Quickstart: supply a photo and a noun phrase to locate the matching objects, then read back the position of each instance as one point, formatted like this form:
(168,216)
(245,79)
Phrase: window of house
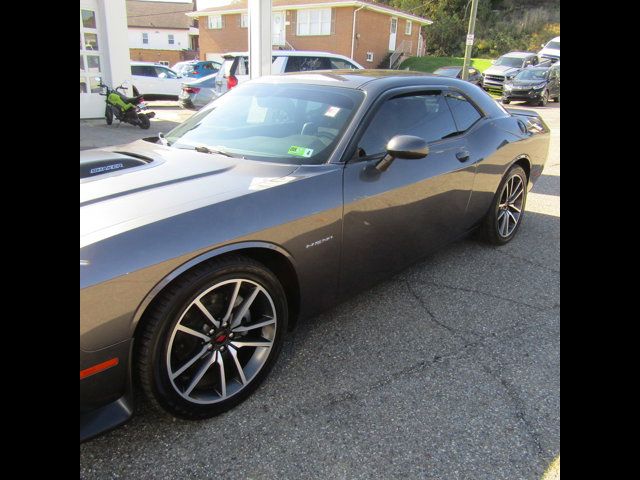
(244,20)
(171,39)
(314,21)
(369,56)
(145,38)
(407,27)
(215,22)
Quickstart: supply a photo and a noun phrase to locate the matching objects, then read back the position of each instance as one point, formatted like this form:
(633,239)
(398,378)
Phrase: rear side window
(426,116)
(143,70)
(464,113)
(166,71)
(240,66)
(339,64)
(305,64)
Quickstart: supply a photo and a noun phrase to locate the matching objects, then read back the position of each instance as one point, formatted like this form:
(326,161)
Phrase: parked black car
(534,85)
(475,76)
(200,249)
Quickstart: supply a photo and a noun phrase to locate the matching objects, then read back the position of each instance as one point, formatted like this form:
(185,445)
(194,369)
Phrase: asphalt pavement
(449,370)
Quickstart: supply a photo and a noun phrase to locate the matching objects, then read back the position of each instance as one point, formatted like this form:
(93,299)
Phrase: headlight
(538,87)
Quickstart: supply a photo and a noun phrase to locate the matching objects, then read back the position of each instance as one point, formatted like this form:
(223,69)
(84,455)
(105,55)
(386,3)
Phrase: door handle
(463,156)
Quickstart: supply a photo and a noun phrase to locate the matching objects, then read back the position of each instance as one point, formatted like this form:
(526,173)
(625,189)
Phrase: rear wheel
(504,217)
(145,123)
(108,115)
(211,338)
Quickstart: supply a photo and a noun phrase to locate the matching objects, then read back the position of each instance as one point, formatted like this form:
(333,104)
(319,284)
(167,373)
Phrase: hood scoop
(101,163)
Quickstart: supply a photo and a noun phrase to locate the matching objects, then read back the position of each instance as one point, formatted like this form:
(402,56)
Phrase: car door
(167,81)
(143,78)
(394,217)
(554,83)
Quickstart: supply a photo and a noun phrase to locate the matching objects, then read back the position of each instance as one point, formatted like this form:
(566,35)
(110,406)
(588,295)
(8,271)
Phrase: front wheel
(503,219)
(145,123)
(544,99)
(108,115)
(211,337)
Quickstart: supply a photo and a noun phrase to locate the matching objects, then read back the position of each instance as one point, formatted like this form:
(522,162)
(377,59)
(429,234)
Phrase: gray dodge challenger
(201,248)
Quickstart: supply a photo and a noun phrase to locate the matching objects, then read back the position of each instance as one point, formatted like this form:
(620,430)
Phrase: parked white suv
(155,81)
(235,68)
(551,50)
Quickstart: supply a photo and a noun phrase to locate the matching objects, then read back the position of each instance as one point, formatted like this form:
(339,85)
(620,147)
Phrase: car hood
(500,70)
(173,181)
(552,52)
(525,83)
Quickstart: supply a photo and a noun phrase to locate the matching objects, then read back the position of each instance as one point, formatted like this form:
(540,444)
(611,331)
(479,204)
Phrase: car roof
(289,53)
(518,54)
(374,82)
(150,63)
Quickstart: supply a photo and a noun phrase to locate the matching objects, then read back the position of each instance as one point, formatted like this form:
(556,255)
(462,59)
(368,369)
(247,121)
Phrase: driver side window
(424,115)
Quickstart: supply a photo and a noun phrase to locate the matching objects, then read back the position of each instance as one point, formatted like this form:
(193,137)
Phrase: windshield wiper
(203,149)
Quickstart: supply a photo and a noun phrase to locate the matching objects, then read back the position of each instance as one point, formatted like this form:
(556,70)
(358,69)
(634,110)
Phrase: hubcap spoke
(193,332)
(207,314)
(232,302)
(246,328)
(237,318)
(190,362)
(223,378)
(251,344)
(234,354)
(201,373)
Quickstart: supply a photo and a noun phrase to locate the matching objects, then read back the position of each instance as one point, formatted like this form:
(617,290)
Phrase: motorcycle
(126,109)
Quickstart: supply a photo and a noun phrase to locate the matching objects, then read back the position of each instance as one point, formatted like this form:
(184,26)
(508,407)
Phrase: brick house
(161,32)
(372,34)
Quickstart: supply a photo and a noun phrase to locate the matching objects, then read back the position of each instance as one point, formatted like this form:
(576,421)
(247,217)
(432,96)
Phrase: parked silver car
(197,93)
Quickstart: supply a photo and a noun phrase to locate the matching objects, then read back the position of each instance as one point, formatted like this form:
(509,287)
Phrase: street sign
(469,40)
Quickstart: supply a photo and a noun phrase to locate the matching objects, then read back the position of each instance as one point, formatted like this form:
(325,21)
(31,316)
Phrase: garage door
(91,60)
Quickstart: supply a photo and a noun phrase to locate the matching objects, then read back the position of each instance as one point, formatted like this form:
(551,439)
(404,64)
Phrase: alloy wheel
(510,206)
(221,341)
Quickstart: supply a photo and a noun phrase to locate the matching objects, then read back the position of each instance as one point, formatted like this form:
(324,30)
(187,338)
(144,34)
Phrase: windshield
(532,74)
(447,72)
(509,61)
(554,45)
(289,123)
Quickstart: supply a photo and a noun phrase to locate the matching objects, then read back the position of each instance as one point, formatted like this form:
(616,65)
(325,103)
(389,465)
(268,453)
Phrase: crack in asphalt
(519,407)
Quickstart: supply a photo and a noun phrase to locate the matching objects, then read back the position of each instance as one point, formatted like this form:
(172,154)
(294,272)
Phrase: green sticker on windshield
(300,151)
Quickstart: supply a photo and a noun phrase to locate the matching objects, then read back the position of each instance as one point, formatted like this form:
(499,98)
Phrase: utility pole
(469,43)
(260,41)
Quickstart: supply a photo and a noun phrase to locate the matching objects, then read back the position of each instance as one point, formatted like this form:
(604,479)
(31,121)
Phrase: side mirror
(162,75)
(407,147)
(98,79)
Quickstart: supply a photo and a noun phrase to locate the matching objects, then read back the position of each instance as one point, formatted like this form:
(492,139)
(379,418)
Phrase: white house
(103,51)
(160,31)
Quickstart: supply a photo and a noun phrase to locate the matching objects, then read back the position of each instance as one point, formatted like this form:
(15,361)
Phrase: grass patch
(430,64)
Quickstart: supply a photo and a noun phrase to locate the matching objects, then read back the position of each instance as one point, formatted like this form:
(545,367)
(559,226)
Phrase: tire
(544,99)
(145,123)
(493,225)
(108,115)
(557,99)
(166,350)
(505,101)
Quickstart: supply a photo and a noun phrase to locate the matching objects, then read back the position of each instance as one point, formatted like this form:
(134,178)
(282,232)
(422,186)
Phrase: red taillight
(191,89)
(232,81)
(195,72)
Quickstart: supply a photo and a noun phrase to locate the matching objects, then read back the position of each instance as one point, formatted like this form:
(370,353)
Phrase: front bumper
(524,95)
(106,397)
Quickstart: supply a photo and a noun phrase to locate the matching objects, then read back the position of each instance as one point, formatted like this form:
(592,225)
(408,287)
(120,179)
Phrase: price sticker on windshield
(300,151)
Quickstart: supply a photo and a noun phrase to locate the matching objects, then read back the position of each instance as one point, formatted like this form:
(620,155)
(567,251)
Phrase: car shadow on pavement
(448,369)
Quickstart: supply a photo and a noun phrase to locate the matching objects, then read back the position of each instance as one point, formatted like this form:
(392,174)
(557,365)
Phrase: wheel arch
(272,256)
(525,162)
